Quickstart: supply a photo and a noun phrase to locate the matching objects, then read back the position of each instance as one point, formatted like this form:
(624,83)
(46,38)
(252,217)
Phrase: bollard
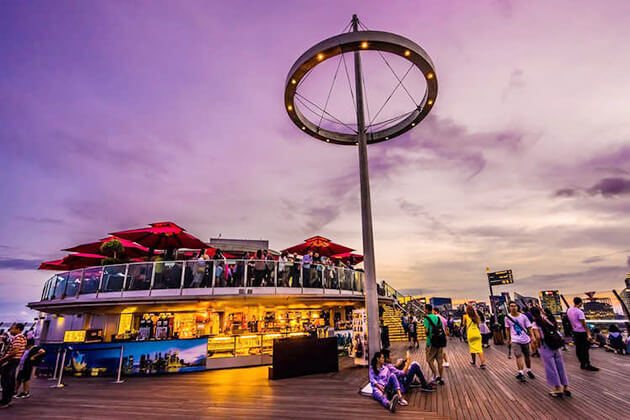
(118,381)
(63,362)
(54,378)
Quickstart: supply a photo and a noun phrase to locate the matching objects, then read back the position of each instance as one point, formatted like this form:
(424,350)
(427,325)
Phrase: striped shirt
(19,344)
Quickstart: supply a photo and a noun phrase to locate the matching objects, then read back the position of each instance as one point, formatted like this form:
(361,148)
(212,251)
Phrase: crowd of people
(528,330)
(18,357)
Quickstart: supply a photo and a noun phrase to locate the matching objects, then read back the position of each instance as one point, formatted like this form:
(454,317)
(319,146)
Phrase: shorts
(520,349)
(25,374)
(435,353)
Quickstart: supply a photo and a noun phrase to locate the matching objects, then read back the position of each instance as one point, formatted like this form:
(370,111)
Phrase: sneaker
(439,381)
(26,395)
(472,363)
(521,377)
(531,374)
(392,403)
(4,406)
(445,364)
(427,389)
(591,368)
(20,395)
(403,402)
(483,366)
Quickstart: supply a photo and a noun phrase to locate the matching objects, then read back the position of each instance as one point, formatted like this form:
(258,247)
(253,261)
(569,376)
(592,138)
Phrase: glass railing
(141,278)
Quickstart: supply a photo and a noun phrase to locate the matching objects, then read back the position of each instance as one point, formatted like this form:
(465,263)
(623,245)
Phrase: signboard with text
(500,277)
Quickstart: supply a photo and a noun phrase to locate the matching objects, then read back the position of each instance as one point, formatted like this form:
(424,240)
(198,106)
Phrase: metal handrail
(200,274)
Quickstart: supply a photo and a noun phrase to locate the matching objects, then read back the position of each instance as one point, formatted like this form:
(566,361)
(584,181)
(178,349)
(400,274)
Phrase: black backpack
(552,338)
(438,337)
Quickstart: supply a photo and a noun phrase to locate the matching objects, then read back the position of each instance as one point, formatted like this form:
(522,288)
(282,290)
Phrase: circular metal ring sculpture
(361,41)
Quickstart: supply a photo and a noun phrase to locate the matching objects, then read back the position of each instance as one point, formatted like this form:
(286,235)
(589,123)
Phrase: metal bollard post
(54,378)
(63,362)
(118,381)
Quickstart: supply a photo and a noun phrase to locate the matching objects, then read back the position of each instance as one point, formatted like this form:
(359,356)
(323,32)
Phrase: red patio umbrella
(56,265)
(349,258)
(164,235)
(319,244)
(73,262)
(132,250)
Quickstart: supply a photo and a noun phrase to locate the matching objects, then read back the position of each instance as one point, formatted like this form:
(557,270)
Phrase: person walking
(471,320)
(10,362)
(436,341)
(581,334)
(519,330)
(550,342)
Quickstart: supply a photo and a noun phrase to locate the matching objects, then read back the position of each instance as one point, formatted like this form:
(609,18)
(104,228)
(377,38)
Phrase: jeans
(554,366)
(406,379)
(391,387)
(8,380)
(581,348)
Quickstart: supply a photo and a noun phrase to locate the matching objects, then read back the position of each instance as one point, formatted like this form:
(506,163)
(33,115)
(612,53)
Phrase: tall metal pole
(371,296)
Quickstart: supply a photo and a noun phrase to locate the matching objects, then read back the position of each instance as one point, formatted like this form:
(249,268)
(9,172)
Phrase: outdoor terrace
(469,393)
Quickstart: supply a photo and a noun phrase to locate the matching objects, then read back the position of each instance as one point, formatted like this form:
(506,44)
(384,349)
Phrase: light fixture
(320,57)
(293,81)
(290,107)
(413,124)
(407,53)
(386,138)
(430,76)
(327,140)
(430,101)
(364,44)
(303,128)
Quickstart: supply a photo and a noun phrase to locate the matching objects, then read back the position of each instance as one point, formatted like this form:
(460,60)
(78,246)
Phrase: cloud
(40,220)
(18,264)
(611,187)
(566,192)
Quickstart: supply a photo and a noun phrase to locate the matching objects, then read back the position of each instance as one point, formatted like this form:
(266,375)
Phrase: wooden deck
(469,393)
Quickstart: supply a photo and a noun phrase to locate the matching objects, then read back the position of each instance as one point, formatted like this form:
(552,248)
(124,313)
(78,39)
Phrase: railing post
(100,281)
(214,272)
(63,362)
(302,276)
(54,378)
(181,283)
(245,274)
(120,361)
(124,285)
(152,278)
(80,283)
(275,281)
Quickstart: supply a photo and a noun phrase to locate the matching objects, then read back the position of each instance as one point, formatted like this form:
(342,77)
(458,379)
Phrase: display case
(221,347)
(248,345)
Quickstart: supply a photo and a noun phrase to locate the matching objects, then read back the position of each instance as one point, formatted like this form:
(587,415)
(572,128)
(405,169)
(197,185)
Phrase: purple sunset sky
(116,114)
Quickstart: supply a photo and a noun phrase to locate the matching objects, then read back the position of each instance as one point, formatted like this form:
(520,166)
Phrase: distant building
(441,303)
(599,308)
(625,294)
(551,299)
(238,246)
(523,301)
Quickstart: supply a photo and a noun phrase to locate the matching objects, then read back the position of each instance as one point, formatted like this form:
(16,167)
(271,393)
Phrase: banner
(139,357)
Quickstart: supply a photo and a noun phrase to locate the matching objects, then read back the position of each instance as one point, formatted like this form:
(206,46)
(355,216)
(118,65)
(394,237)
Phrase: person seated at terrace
(615,342)
(385,386)
(600,340)
(408,373)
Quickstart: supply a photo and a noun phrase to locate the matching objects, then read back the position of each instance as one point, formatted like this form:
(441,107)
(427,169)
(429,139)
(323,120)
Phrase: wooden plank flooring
(469,393)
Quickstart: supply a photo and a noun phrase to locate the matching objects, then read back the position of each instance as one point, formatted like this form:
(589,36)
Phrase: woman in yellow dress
(471,321)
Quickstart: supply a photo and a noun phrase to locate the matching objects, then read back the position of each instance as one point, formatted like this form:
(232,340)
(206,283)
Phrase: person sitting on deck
(385,386)
(406,372)
(615,342)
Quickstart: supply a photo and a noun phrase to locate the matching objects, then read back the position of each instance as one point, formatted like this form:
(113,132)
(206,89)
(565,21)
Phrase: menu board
(359,350)
(74,336)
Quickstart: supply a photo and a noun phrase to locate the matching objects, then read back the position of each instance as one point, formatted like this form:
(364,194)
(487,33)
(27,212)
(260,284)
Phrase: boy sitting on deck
(406,372)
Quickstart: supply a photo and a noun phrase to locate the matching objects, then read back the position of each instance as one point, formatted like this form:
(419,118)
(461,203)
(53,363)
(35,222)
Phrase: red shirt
(18,343)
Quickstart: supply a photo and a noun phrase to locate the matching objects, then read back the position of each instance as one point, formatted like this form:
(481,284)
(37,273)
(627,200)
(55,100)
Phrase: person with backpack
(471,320)
(550,342)
(518,330)
(436,341)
